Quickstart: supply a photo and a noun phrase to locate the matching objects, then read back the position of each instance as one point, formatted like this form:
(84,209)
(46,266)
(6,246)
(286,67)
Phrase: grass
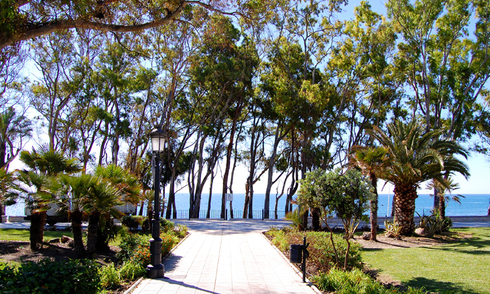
(461,266)
(23,235)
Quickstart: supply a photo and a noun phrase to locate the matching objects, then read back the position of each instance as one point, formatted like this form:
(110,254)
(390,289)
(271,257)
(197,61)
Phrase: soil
(18,251)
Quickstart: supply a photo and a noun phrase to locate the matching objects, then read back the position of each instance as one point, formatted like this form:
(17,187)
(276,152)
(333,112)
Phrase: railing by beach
(237,214)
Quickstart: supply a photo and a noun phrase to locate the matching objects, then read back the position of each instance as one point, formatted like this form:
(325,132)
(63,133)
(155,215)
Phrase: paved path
(226,257)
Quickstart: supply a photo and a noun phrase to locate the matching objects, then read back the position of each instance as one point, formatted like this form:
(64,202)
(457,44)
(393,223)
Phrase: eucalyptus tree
(51,93)
(306,33)
(115,73)
(444,53)
(8,190)
(361,71)
(415,156)
(26,19)
(223,73)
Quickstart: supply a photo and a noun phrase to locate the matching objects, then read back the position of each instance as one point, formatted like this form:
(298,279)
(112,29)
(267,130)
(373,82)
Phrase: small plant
(295,218)
(392,230)
(109,277)
(131,270)
(433,224)
(180,231)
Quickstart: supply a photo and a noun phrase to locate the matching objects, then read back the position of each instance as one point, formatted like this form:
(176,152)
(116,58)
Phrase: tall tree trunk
(76,228)
(38,221)
(373,214)
(93,224)
(208,214)
(404,204)
(315,219)
(442,206)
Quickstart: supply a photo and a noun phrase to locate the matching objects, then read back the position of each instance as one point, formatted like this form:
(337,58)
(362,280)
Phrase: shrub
(322,251)
(348,282)
(354,282)
(168,242)
(297,220)
(141,254)
(392,230)
(129,243)
(180,231)
(46,276)
(279,238)
(109,277)
(434,225)
(131,271)
(166,225)
(131,222)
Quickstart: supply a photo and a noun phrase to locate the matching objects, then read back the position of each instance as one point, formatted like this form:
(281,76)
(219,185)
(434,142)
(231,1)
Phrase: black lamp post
(155,268)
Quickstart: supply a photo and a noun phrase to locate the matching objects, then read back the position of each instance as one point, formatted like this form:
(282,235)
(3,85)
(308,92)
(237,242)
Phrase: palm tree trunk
(404,205)
(93,224)
(38,221)
(76,228)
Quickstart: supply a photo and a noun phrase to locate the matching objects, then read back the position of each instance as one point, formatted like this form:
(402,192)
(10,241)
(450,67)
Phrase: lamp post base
(154,271)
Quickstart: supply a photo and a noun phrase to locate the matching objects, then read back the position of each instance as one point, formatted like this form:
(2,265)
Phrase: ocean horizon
(471,204)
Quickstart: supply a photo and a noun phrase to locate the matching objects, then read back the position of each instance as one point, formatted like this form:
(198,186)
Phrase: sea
(471,205)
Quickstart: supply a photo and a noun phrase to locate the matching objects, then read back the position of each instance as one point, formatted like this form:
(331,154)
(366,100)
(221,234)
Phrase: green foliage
(323,252)
(129,243)
(392,230)
(180,231)
(131,221)
(279,239)
(345,194)
(320,248)
(109,277)
(353,282)
(46,276)
(169,240)
(166,225)
(433,224)
(295,218)
(131,271)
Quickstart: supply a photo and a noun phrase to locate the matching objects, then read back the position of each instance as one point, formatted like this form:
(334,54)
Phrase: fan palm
(44,167)
(415,157)
(77,188)
(101,199)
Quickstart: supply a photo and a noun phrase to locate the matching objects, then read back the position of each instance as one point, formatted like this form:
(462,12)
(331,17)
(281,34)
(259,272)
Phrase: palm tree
(44,166)
(101,199)
(13,129)
(444,187)
(415,157)
(372,161)
(77,188)
(129,189)
(8,190)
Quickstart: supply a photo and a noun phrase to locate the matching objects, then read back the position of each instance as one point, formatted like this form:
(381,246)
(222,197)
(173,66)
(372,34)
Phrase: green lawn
(457,267)
(23,235)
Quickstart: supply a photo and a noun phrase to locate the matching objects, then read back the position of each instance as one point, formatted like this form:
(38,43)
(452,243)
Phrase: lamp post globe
(155,268)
